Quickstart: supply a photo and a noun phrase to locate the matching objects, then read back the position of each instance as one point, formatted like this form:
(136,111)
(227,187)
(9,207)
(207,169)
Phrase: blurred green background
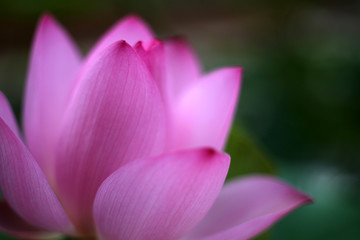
(299,111)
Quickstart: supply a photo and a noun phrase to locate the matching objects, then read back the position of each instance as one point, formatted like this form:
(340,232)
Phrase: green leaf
(246,156)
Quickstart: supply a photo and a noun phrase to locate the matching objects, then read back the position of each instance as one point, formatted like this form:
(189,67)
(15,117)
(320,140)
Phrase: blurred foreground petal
(246,207)
(25,187)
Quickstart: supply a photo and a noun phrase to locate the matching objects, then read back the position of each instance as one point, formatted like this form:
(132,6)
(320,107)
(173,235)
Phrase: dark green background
(298,115)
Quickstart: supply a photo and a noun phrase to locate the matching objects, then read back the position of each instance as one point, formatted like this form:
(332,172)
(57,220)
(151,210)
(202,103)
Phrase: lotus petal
(159,198)
(53,66)
(205,111)
(25,187)
(246,207)
(182,67)
(115,117)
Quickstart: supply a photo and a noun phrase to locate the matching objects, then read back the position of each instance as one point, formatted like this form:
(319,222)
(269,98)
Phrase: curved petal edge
(210,103)
(54,62)
(7,115)
(116,116)
(182,67)
(246,207)
(25,188)
(161,197)
(131,29)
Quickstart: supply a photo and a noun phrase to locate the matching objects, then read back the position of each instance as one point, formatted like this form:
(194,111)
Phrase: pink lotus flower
(125,144)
